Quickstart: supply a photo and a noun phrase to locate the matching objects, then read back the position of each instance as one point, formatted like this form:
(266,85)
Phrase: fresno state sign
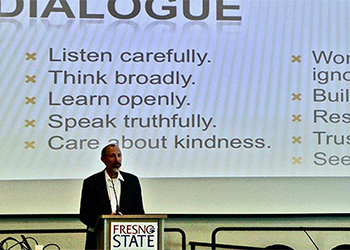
(134,235)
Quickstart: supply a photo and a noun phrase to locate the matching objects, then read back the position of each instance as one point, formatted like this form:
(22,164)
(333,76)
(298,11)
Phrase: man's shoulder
(95,177)
(128,176)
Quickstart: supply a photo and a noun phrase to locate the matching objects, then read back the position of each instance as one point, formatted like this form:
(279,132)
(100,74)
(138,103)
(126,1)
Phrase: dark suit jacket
(95,202)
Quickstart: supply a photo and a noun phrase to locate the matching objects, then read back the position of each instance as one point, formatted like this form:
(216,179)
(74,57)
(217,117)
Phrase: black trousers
(91,241)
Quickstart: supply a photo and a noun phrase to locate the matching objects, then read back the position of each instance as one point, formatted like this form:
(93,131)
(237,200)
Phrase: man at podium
(110,191)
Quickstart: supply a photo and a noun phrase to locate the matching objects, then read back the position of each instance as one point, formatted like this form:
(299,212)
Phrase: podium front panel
(142,232)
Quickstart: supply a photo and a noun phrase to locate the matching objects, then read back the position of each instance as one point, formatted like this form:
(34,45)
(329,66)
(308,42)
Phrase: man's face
(113,159)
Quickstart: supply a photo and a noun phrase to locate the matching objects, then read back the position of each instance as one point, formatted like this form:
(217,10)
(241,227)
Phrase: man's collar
(119,176)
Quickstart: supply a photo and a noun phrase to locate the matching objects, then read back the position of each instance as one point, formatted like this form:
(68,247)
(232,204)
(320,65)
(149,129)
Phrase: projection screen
(247,97)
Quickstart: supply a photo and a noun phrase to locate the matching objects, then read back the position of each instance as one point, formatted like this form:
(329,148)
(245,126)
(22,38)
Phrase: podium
(130,232)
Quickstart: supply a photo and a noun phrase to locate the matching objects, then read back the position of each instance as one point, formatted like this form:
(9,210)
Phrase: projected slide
(190,88)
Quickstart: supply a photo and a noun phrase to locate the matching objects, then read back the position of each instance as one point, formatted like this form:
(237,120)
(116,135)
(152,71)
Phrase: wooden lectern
(121,232)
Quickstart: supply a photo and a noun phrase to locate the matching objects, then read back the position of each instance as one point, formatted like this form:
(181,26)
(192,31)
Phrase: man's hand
(119,213)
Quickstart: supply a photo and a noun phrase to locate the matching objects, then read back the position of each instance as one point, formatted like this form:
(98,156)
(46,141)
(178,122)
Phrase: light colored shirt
(114,188)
